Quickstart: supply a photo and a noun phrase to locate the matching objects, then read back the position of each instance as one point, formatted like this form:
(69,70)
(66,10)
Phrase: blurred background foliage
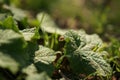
(94,16)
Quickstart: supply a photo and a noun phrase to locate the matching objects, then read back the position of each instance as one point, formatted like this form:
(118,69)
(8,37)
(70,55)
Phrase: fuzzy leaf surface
(28,33)
(45,55)
(79,48)
(43,59)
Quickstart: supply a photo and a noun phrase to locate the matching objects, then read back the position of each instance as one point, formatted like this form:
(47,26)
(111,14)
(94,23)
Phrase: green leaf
(79,39)
(41,76)
(48,68)
(2,16)
(49,25)
(40,59)
(32,73)
(18,14)
(43,59)
(9,23)
(9,63)
(36,35)
(28,33)
(90,62)
(30,50)
(83,53)
(30,69)
(45,55)
(31,34)
(12,50)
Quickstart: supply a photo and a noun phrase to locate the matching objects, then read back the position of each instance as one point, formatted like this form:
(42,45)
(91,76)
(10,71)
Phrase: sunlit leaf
(49,25)
(83,58)
(32,73)
(40,76)
(28,33)
(45,55)
(12,50)
(44,58)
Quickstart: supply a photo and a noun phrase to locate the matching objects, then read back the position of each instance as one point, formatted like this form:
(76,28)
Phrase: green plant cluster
(35,48)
